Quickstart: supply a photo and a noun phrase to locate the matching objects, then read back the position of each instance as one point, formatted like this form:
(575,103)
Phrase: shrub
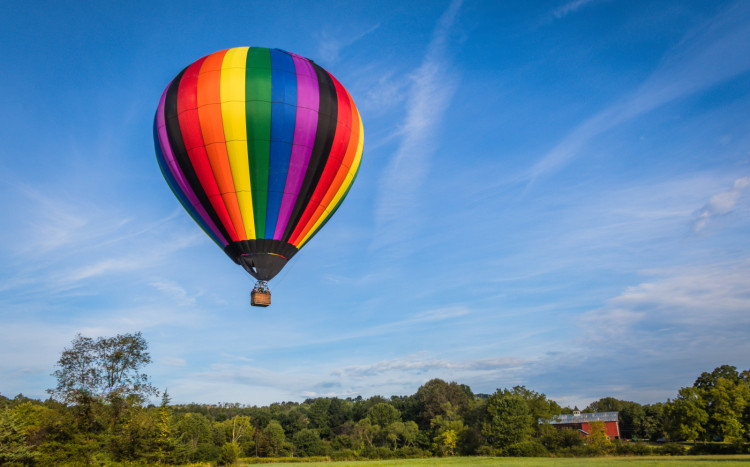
(487,451)
(632,449)
(670,449)
(372,452)
(230,452)
(344,455)
(718,448)
(587,450)
(410,452)
(526,449)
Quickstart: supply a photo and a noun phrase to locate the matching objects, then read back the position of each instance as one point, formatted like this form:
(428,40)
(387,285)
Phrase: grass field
(681,461)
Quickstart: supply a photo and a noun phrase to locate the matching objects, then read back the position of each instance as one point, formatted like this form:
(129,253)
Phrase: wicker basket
(260,298)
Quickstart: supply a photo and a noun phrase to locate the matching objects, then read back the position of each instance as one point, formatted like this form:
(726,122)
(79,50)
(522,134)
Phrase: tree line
(99,413)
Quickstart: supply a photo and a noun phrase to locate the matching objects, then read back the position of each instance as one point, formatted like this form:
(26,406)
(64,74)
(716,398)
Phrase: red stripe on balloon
(335,159)
(187,110)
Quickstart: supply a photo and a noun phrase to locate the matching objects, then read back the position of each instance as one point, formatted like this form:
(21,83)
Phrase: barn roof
(583,417)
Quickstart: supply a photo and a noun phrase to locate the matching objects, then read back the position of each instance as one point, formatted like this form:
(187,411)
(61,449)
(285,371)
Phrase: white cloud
(173,361)
(432,87)
(175,291)
(720,203)
(693,299)
(329,47)
(570,7)
(418,364)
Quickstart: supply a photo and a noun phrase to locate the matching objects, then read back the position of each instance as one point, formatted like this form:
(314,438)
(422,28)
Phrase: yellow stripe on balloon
(344,186)
(235,131)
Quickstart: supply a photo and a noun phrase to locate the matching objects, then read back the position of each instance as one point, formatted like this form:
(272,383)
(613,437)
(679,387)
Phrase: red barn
(582,422)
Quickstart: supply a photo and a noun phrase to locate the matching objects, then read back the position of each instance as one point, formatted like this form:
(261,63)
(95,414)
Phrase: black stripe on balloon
(180,153)
(327,115)
(260,246)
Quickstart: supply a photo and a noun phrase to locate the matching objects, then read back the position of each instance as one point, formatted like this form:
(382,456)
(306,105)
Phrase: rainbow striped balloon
(260,146)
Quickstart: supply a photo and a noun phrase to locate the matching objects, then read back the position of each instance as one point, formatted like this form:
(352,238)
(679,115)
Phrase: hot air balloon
(260,146)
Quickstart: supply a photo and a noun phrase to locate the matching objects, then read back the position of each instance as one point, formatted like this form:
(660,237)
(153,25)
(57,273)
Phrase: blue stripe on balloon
(283,118)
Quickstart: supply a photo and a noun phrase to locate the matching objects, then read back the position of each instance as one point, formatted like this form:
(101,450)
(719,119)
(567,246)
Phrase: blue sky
(554,194)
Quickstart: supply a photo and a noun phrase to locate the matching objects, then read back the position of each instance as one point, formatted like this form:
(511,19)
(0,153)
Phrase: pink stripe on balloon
(306,125)
(174,168)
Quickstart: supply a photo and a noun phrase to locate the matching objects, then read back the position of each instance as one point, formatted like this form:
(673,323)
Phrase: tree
(383,414)
(162,424)
(598,437)
(447,442)
(716,406)
(726,403)
(230,452)
(687,415)
(433,395)
(508,420)
(708,380)
(365,432)
(272,439)
(107,366)
(13,449)
(632,415)
(539,406)
(307,442)
(193,429)
(240,428)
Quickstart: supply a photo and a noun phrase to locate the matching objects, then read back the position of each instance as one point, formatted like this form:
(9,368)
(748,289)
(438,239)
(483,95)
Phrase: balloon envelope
(260,146)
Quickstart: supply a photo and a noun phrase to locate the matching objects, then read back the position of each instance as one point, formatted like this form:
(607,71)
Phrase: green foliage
(622,448)
(447,430)
(434,394)
(96,420)
(687,415)
(539,406)
(383,414)
(530,448)
(598,438)
(230,452)
(307,443)
(670,449)
(446,442)
(272,441)
(508,420)
(559,439)
(319,416)
(727,401)
(13,449)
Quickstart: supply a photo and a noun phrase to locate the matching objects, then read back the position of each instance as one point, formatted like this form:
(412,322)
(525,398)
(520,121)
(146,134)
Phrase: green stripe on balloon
(258,118)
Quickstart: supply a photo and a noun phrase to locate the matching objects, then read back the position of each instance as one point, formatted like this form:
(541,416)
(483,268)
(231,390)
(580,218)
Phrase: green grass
(686,461)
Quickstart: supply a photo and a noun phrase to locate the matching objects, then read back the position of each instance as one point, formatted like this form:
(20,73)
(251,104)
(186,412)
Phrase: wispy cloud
(570,7)
(707,296)
(66,241)
(173,361)
(418,364)
(432,87)
(715,52)
(329,47)
(175,291)
(720,204)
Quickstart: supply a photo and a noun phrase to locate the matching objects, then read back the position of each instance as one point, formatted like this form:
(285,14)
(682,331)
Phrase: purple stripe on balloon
(306,125)
(177,173)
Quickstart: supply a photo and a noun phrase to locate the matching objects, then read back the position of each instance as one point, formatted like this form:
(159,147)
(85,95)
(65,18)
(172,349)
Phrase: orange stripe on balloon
(212,130)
